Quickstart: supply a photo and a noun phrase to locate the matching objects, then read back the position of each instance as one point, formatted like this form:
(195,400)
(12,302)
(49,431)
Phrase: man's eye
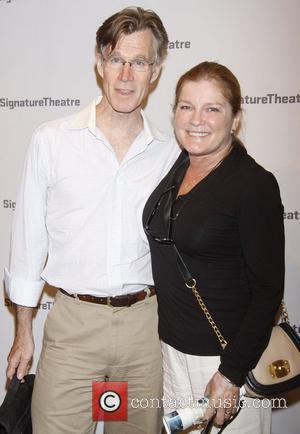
(139,63)
(116,60)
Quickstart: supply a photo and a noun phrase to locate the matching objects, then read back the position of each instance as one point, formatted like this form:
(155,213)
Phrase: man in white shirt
(78,226)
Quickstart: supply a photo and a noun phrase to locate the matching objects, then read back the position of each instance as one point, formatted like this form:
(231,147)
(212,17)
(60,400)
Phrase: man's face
(124,87)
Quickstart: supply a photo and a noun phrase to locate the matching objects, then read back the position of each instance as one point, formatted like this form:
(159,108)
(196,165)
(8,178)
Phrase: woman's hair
(227,82)
(128,21)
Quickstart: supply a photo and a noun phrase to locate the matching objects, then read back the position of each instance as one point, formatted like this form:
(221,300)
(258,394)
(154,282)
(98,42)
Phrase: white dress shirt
(78,219)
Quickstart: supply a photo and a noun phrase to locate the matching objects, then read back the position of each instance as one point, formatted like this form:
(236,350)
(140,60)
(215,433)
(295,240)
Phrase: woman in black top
(224,213)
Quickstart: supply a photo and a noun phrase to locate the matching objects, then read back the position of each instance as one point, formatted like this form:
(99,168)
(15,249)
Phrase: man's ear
(99,64)
(155,72)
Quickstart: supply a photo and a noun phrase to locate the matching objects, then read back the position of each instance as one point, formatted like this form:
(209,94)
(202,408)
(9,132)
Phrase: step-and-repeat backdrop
(47,71)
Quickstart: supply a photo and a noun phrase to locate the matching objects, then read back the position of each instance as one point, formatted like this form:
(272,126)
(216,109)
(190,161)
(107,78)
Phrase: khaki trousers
(185,379)
(85,342)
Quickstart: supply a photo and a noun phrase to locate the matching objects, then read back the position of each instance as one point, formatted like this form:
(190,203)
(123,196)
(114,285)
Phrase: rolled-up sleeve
(29,240)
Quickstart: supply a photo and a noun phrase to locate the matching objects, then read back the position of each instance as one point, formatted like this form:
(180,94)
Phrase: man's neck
(120,129)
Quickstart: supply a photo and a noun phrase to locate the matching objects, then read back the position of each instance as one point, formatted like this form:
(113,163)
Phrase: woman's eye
(184,107)
(213,109)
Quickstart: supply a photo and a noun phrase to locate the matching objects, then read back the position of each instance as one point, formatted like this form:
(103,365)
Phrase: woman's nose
(198,117)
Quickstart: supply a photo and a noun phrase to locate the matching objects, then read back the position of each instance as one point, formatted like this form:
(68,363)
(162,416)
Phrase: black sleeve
(260,220)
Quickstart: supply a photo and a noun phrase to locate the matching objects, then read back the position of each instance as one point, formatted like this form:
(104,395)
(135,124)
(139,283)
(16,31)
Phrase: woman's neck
(200,167)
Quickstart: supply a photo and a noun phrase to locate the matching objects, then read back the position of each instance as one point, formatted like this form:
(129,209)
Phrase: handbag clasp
(279,368)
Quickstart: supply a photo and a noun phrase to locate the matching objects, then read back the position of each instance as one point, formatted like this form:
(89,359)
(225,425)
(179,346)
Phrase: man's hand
(20,356)
(223,399)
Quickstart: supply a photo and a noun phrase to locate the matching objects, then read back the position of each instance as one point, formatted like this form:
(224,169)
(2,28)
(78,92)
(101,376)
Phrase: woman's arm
(261,230)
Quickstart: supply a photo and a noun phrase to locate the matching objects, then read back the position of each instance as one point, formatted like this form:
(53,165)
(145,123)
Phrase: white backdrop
(47,64)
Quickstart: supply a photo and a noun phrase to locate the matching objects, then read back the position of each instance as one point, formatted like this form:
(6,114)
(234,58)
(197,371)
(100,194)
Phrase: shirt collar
(86,118)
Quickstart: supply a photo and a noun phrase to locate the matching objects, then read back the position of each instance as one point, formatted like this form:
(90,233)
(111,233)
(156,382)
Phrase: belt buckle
(125,298)
(129,300)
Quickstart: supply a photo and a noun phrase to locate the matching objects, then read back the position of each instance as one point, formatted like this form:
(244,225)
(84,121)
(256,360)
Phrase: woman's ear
(236,122)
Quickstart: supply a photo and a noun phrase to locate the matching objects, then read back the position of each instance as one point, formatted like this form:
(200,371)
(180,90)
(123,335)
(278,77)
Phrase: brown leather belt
(118,301)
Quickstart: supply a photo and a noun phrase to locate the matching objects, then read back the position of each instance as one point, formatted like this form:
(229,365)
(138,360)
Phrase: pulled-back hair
(128,21)
(228,83)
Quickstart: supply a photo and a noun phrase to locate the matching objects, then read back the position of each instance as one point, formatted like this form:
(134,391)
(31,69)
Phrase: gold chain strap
(209,318)
(284,312)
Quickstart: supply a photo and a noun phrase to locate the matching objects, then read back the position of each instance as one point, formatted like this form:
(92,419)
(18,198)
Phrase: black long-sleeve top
(229,231)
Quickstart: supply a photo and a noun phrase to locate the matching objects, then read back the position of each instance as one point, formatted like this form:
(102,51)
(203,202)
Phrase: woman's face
(203,118)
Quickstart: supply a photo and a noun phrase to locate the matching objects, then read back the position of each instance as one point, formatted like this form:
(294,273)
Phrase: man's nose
(126,73)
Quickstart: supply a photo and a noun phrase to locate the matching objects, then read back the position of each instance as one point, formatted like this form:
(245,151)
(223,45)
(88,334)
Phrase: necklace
(188,184)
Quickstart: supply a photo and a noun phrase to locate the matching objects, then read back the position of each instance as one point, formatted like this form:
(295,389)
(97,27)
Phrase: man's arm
(20,356)
(28,252)
(29,240)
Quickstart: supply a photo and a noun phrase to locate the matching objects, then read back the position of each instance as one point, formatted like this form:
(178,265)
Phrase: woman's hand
(223,398)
